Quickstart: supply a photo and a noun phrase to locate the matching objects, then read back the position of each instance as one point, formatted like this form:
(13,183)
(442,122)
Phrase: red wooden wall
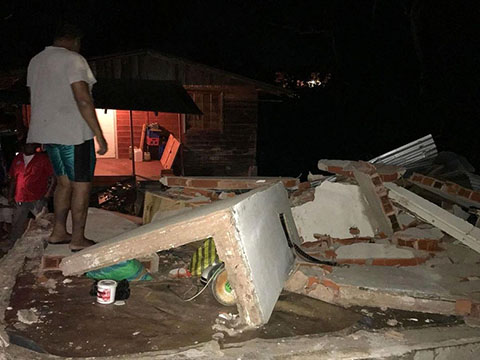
(167,120)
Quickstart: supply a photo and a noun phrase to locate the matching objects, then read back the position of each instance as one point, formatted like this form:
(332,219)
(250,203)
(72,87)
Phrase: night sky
(400,69)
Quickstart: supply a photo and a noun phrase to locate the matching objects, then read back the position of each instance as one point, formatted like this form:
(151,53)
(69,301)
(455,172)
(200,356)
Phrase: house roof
(259,85)
(142,95)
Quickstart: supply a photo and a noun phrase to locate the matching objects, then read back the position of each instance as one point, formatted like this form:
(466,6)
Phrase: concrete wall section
(336,208)
(264,243)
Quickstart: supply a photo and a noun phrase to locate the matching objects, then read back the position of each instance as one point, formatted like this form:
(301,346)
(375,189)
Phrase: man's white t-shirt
(55,118)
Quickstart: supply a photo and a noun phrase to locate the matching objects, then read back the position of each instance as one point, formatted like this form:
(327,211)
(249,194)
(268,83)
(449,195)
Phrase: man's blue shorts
(75,161)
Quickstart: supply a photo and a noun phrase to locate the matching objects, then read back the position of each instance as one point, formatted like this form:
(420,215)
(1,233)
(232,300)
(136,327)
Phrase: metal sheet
(416,153)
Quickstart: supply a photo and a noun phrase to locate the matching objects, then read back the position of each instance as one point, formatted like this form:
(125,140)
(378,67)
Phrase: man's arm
(87,109)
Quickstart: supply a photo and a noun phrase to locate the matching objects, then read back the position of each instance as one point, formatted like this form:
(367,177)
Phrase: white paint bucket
(106,291)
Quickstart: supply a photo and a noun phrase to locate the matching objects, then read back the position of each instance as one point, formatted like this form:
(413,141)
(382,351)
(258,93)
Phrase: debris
(435,215)
(255,250)
(301,197)
(315,177)
(179,273)
(392,322)
(394,334)
(218,336)
(226,195)
(406,220)
(228,317)
(136,333)
(366,312)
(50,284)
(28,316)
(67,281)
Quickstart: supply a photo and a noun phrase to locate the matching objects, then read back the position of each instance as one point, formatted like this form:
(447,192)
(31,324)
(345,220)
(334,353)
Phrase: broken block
(419,238)
(253,233)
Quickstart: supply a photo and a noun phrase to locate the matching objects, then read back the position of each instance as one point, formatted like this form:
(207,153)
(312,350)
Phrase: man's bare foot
(80,245)
(55,240)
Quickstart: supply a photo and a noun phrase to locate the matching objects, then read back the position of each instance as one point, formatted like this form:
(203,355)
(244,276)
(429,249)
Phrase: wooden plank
(461,230)
(142,137)
(169,153)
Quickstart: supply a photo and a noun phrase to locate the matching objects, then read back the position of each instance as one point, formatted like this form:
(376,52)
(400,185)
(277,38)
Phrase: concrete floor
(123,167)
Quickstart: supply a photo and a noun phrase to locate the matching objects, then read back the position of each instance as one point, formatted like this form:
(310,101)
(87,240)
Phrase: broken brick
(330,284)
(463,307)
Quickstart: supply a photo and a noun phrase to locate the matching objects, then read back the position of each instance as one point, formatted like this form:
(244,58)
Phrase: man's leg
(61,200)
(84,166)
(61,157)
(80,200)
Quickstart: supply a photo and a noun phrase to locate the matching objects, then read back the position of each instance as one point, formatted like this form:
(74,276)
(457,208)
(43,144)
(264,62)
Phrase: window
(211,105)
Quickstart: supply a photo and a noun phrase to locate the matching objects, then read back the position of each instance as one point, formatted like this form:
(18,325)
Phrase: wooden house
(221,142)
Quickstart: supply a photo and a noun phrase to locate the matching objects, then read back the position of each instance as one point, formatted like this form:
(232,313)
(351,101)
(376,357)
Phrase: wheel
(221,289)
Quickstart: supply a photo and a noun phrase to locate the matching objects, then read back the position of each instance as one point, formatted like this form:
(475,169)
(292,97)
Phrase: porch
(123,168)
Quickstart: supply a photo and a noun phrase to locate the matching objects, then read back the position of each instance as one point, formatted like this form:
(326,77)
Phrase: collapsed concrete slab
(336,209)
(405,288)
(435,215)
(251,232)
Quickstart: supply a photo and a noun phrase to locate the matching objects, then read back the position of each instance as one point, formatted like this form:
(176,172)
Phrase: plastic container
(106,291)
(138,155)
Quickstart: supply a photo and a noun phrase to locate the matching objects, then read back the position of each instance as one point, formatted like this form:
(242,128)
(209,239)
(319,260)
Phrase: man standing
(31,184)
(63,118)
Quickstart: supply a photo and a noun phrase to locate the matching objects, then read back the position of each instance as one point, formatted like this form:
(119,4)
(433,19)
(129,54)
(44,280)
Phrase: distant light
(313,83)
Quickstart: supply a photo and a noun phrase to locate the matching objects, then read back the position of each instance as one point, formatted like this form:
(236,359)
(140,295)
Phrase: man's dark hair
(68,31)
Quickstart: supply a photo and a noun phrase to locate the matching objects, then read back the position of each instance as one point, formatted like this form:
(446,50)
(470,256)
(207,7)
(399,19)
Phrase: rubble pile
(370,217)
